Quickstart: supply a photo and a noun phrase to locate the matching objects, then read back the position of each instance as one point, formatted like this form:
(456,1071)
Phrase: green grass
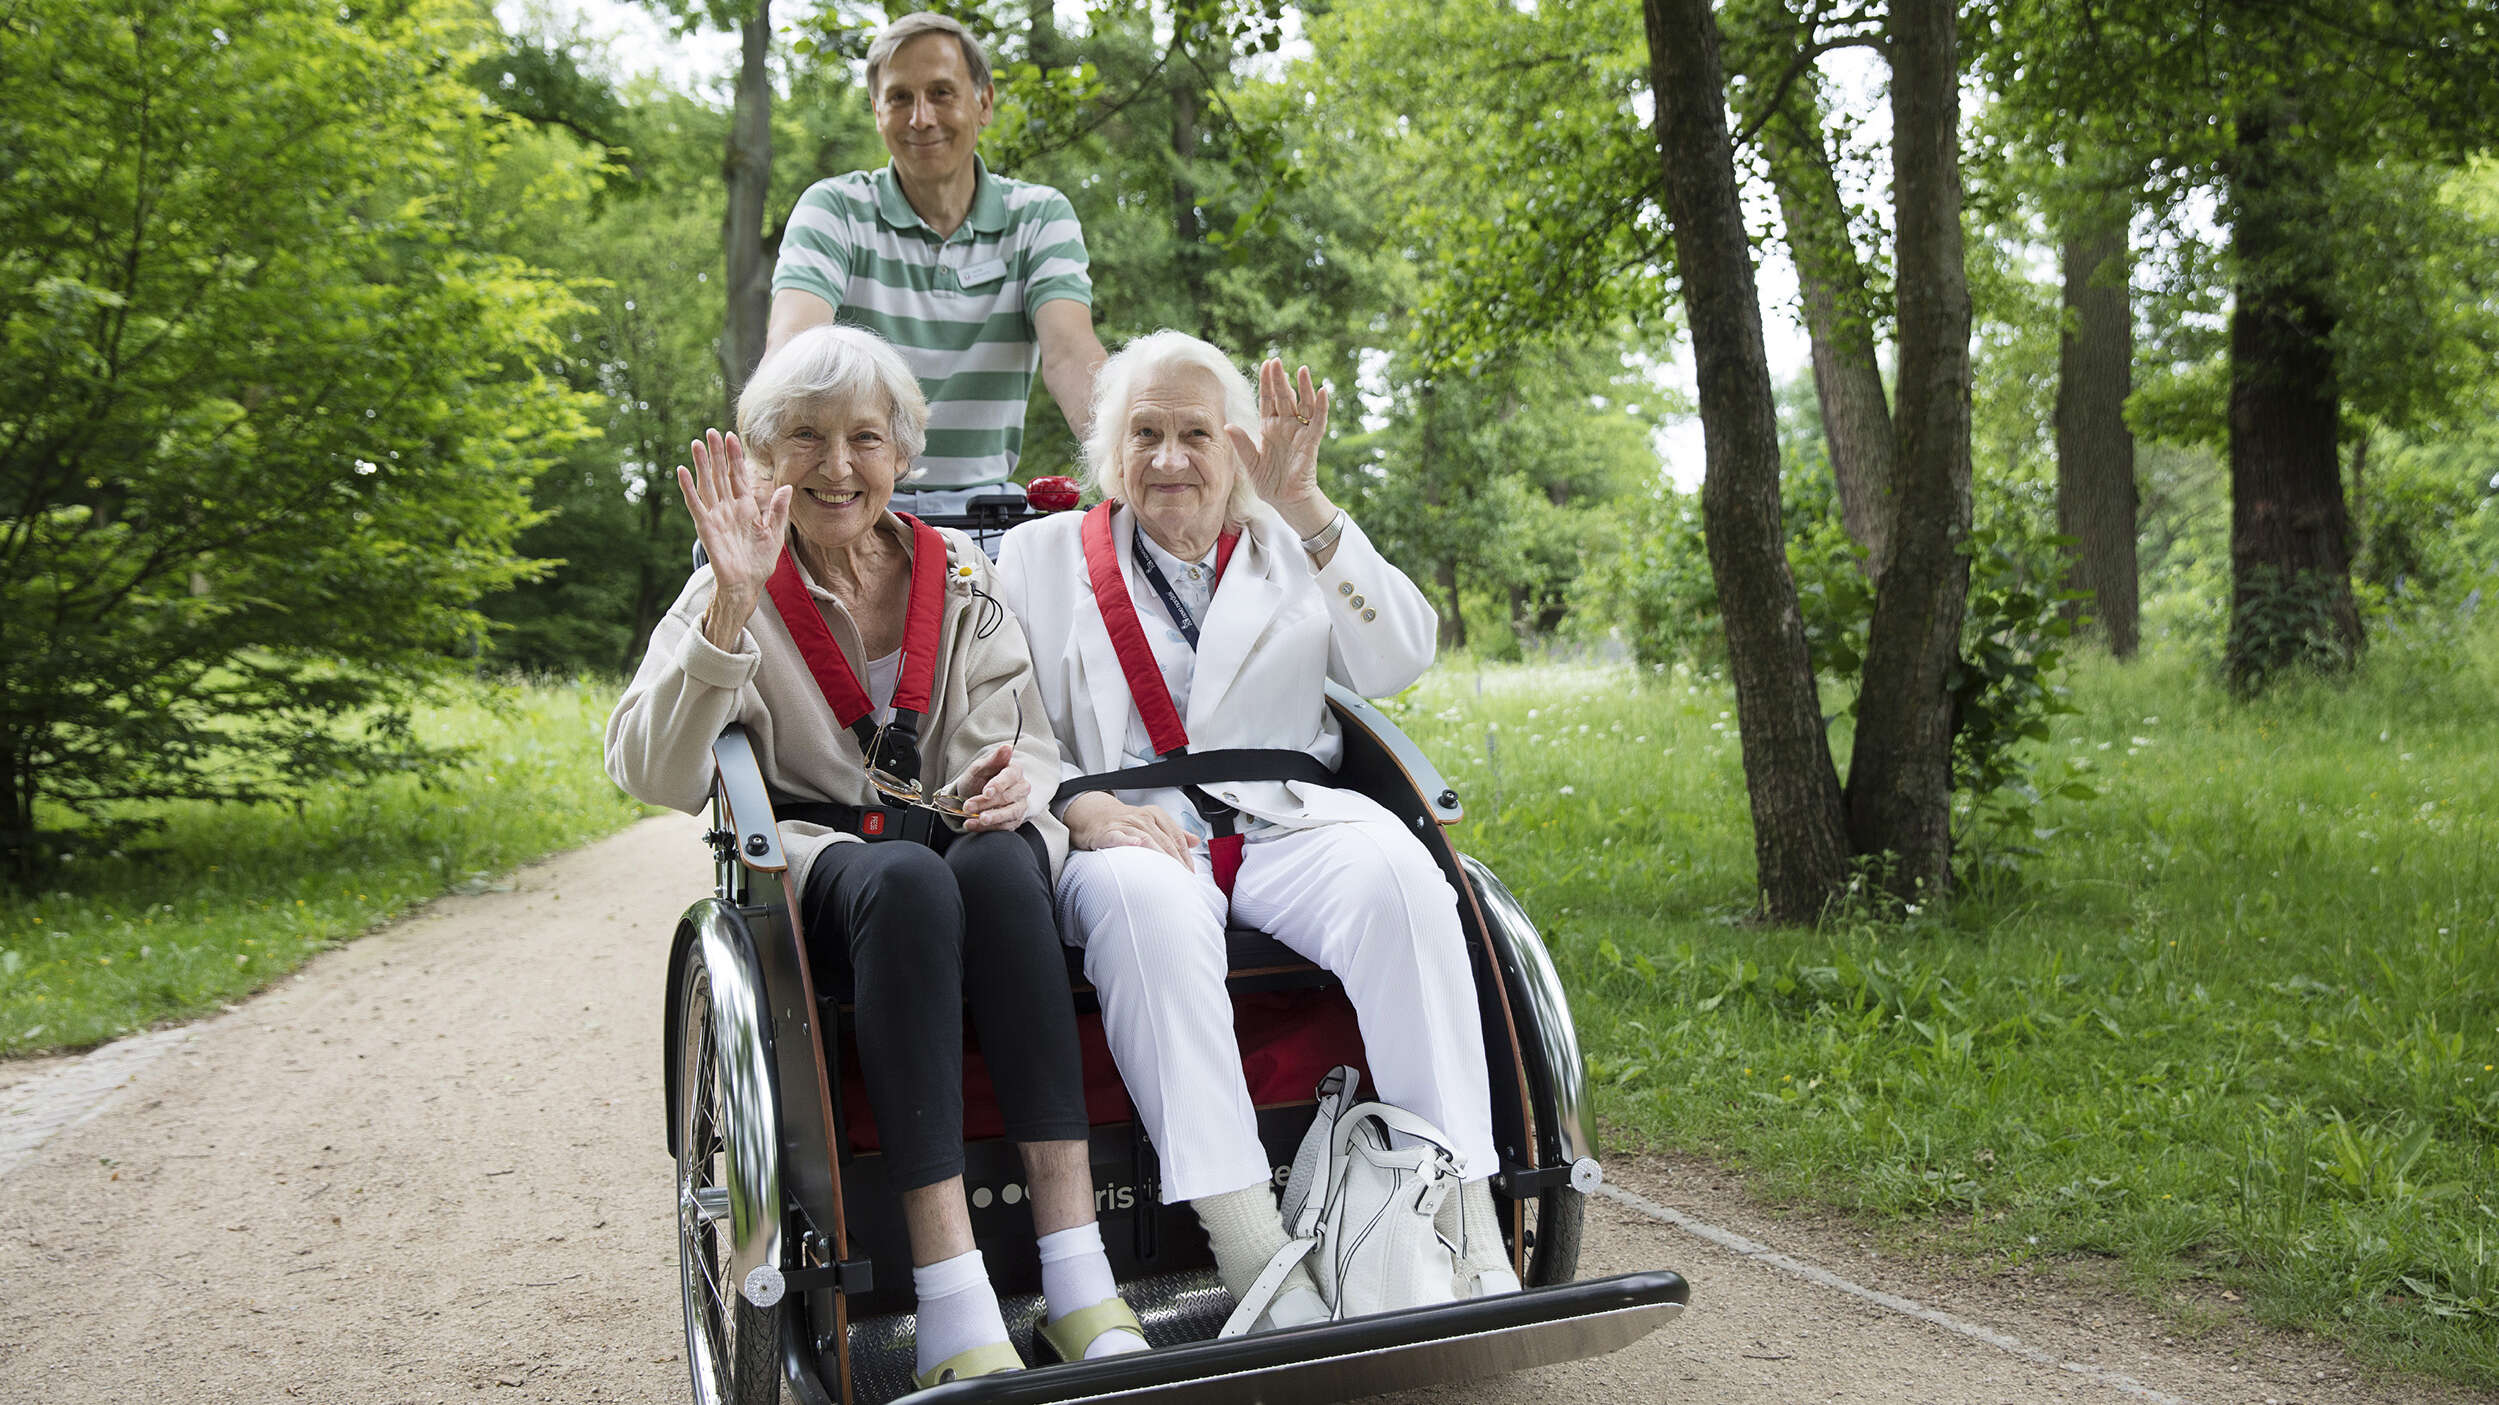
(2236,1021)
(222,900)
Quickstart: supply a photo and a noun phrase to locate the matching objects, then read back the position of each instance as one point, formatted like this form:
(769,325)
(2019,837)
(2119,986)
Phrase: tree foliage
(264,442)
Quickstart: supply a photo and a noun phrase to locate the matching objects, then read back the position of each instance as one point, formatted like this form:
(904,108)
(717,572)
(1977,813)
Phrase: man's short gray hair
(912,26)
(847,366)
(1115,386)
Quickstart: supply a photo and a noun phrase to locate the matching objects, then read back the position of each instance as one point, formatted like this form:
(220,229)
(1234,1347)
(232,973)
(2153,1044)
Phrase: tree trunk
(1900,772)
(1188,238)
(1041,28)
(2095,452)
(655,585)
(748,173)
(17,778)
(2290,537)
(1799,841)
(1839,322)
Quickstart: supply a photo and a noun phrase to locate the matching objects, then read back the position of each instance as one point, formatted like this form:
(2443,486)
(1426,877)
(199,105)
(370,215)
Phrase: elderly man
(972,276)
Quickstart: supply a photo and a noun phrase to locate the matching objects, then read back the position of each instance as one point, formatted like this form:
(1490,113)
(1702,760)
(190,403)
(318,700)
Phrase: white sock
(1246,1229)
(1075,1273)
(958,1309)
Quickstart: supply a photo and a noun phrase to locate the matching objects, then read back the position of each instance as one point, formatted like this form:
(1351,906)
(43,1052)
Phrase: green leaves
(271,413)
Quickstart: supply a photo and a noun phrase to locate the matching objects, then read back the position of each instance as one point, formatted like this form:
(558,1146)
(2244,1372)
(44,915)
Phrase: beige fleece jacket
(659,738)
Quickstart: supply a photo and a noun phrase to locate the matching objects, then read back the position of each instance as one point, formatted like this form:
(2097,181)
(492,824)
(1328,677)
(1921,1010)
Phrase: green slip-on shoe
(987,1359)
(1073,1334)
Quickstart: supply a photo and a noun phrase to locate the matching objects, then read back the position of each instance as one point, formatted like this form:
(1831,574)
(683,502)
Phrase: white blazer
(1277,630)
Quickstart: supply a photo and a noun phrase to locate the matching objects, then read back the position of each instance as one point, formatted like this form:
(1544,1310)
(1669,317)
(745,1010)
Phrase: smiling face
(1178,465)
(928,110)
(840,460)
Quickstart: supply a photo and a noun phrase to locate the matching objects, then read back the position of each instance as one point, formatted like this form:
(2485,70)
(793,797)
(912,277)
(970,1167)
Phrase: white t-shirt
(882,675)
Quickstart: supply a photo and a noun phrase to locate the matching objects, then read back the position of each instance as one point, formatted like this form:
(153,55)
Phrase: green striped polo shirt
(960,309)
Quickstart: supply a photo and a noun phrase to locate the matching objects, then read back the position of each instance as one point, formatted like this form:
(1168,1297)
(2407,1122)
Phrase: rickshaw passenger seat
(1258,962)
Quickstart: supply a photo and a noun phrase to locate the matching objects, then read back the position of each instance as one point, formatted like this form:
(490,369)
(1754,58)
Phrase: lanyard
(1162,587)
(823,656)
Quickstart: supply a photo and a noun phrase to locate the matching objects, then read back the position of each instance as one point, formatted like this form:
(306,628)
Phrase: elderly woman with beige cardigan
(851,642)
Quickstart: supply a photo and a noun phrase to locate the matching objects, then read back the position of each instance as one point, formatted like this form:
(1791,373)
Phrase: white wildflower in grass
(1570,790)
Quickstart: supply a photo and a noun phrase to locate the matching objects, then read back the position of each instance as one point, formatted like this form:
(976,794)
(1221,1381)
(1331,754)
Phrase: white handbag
(1360,1208)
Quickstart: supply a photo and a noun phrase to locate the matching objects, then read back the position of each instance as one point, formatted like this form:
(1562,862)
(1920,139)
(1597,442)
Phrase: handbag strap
(1262,1291)
(1305,1197)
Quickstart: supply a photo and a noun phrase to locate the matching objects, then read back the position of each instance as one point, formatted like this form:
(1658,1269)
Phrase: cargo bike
(795,1270)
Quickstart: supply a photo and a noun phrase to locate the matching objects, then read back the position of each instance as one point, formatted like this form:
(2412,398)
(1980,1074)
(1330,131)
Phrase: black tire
(732,1346)
(1558,1215)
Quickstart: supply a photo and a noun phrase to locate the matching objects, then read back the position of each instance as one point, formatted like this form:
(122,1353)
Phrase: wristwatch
(1326,536)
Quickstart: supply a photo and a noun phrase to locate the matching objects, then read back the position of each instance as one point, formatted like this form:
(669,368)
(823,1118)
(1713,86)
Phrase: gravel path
(429,1168)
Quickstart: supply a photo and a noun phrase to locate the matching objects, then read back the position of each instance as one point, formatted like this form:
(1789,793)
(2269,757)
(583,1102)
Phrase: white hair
(846,366)
(1115,386)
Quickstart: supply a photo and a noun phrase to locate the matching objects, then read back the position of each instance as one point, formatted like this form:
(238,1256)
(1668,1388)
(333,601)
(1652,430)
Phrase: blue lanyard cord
(1162,587)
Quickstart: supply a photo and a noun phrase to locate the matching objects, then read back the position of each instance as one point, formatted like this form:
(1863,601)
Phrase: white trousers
(1362,899)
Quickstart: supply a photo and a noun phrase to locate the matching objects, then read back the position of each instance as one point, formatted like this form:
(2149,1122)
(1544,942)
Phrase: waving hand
(740,530)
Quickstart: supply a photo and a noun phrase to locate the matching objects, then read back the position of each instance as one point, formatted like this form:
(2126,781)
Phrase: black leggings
(920,933)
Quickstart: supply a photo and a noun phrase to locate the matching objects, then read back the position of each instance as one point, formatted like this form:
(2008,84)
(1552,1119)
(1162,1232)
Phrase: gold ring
(1302,417)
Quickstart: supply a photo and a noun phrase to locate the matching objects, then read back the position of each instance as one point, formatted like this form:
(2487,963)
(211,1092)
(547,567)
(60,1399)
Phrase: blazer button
(1357,600)
(1370,615)
(1344,587)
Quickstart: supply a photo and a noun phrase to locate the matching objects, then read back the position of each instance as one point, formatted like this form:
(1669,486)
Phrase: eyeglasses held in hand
(894,769)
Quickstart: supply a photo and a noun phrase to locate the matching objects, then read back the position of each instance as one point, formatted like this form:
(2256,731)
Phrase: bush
(2006,688)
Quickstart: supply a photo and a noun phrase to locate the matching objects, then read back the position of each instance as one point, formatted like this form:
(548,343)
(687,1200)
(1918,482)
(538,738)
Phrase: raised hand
(740,530)
(999,792)
(1283,461)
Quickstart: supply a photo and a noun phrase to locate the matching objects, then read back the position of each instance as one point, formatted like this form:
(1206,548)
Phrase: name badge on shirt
(973,275)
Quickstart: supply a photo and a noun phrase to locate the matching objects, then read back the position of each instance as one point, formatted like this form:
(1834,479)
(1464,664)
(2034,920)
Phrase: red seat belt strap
(823,654)
(815,642)
(1136,656)
(921,622)
(1163,728)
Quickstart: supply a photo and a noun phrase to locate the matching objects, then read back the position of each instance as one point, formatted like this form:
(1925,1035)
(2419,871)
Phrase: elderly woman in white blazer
(1194,500)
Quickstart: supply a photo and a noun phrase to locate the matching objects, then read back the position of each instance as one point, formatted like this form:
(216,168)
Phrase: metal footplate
(1417,1348)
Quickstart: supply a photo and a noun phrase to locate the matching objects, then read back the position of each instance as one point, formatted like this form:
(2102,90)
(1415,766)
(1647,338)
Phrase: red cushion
(1289,1040)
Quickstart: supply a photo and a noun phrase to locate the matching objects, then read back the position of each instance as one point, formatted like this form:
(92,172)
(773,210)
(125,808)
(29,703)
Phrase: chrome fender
(712,932)
(1552,1041)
